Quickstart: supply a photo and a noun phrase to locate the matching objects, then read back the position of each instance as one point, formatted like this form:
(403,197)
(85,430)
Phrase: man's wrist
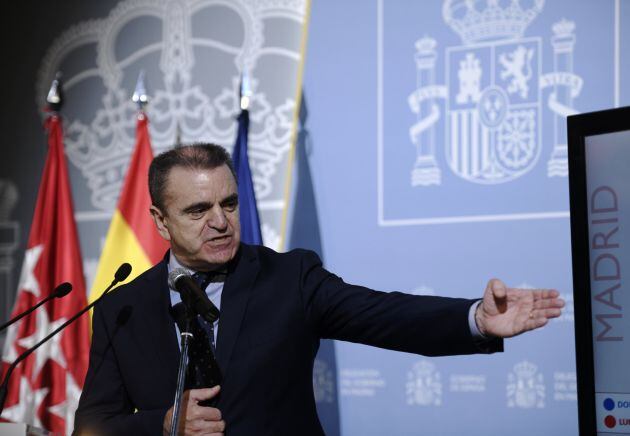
(479,320)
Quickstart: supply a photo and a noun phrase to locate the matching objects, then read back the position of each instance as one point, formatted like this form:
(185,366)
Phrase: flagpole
(132,236)
(53,255)
(248,211)
(140,96)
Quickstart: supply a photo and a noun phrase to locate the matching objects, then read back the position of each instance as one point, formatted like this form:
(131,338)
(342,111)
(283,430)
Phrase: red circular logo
(610,421)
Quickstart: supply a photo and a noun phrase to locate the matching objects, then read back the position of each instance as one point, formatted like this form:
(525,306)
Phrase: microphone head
(62,290)
(175,275)
(122,272)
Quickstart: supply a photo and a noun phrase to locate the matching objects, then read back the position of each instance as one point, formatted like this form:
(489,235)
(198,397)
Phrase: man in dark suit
(274,310)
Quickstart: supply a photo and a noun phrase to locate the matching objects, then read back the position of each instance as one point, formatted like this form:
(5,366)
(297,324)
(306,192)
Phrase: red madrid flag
(44,389)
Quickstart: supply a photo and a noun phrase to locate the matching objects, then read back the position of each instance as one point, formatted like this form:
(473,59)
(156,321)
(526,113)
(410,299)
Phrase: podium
(599,182)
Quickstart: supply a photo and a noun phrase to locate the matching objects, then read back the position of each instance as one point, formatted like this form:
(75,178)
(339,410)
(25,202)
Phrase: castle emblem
(525,388)
(424,385)
(493,96)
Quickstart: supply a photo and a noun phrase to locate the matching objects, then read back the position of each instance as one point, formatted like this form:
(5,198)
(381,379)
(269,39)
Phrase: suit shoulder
(129,292)
(266,253)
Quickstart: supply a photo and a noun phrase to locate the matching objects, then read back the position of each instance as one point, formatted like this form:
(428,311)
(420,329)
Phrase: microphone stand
(60,291)
(184,314)
(120,276)
(186,337)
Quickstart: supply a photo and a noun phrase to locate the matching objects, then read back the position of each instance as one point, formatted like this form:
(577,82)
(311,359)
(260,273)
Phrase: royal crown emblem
(192,72)
(525,388)
(323,382)
(480,20)
(493,95)
(424,385)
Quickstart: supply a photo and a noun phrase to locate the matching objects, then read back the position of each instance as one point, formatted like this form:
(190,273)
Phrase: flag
(132,236)
(250,223)
(44,389)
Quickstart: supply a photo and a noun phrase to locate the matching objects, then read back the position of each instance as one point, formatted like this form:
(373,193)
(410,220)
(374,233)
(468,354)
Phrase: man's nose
(217,219)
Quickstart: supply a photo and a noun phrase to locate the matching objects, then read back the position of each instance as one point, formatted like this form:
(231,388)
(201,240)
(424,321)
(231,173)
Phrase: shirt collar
(173,263)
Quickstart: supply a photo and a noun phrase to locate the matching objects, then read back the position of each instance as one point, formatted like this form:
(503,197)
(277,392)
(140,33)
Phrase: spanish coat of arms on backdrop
(492,120)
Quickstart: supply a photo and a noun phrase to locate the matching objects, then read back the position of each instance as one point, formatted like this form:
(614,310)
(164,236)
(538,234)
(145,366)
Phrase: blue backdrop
(437,149)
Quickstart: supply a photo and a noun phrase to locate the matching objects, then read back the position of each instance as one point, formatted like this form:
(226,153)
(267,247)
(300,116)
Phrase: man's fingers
(537,323)
(200,419)
(218,426)
(205,413)
(545,293)
(544,314)
(549,313)
(204,394)
(205,427)
(552,293)
(557,303)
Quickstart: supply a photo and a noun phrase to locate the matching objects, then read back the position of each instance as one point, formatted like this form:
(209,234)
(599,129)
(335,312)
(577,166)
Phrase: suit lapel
(236,291)
(155,314)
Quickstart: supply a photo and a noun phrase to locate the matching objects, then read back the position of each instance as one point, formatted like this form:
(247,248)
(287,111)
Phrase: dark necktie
(203,371)
(203,279)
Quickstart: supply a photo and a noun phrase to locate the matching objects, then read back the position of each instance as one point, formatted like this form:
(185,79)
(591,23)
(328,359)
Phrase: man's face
(200,219)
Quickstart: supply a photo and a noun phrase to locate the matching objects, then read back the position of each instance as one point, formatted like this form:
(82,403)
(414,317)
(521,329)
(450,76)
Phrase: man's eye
(230,206)
(196,214)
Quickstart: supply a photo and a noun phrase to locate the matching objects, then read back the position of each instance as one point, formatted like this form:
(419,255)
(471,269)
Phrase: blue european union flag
(250,223)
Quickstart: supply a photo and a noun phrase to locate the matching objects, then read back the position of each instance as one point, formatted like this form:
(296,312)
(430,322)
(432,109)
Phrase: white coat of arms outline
(492,95)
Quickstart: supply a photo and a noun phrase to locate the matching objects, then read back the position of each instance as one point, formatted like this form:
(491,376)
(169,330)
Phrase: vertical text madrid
(606,277)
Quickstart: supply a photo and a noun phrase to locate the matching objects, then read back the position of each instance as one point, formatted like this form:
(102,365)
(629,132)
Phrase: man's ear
(160,221)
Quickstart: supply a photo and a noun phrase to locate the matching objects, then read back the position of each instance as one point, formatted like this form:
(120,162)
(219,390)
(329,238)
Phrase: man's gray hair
(196,156)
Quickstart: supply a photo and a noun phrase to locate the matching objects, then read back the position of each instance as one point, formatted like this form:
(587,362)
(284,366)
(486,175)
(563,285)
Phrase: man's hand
(196,419)
(506,312)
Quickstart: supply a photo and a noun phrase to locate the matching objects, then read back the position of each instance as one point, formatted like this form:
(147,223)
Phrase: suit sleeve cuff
(472,323)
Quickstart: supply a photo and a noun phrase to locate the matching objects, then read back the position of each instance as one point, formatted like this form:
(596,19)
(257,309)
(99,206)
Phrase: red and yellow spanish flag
(132,236)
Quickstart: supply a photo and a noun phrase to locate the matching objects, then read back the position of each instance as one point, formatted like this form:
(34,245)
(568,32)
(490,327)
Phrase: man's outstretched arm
(428,325)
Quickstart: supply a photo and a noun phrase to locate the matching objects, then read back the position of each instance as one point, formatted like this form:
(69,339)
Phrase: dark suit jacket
(274,310)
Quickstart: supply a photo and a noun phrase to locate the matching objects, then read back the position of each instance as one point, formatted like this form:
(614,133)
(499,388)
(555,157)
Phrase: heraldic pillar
(425,171)
(563,42)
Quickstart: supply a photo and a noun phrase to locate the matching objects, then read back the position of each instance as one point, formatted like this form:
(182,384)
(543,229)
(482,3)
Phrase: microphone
(192,295)
(60,291)
(121,274)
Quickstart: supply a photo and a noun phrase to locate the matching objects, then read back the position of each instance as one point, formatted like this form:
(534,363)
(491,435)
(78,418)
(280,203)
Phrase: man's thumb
(205,394)
(499,291)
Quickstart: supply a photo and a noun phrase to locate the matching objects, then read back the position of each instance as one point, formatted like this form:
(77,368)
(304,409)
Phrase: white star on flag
(28,281)
(65,410)
(8,353)
(49,350)
(25,410)
(53,256)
